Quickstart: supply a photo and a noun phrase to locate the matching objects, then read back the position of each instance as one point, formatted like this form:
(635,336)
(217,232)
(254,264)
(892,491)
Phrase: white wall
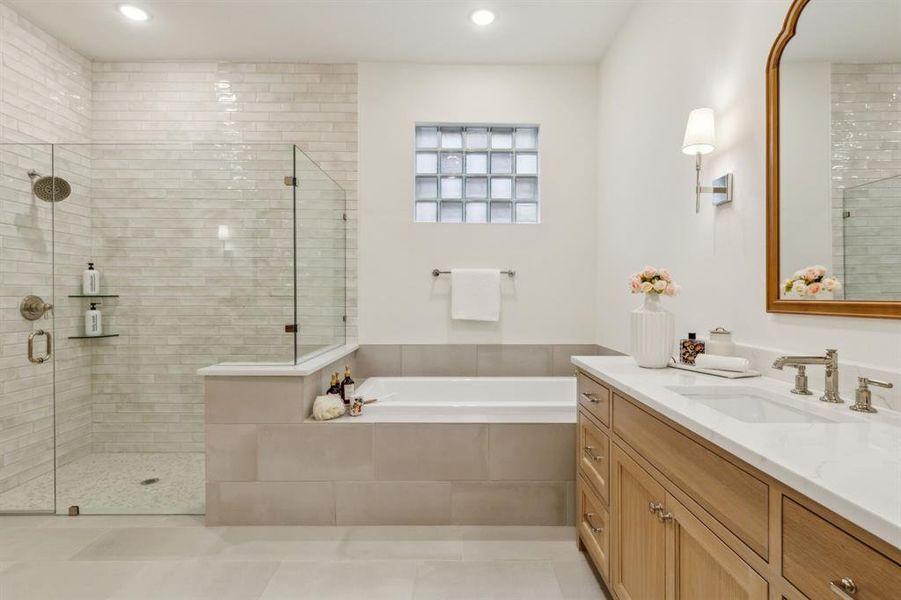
(806,166)
(552,297)
(668,59)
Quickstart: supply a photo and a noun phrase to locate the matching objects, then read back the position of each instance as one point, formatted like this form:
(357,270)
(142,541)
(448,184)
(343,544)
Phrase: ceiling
(439,31)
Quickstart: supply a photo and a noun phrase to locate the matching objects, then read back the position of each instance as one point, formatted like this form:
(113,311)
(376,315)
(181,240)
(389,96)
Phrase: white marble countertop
(851,466)
(301,369)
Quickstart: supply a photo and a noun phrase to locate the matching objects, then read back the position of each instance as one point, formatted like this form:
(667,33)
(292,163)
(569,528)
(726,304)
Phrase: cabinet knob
(654,507)
(663,517)
(844,588)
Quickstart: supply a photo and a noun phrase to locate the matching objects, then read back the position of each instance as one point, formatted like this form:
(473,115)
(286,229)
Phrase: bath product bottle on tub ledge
(347,386)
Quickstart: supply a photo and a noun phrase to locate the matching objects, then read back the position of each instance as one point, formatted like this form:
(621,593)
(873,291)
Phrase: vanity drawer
(731,495)
(594,455)
(594,527)
(595,398)
(815,553)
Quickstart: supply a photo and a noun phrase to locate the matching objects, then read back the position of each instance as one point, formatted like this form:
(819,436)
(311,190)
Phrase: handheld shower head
(49,189)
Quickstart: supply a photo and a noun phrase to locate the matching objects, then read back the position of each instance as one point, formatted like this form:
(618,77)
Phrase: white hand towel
(723,363)
(476,294)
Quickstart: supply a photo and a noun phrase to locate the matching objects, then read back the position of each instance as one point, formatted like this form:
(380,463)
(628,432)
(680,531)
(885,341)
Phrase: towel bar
(436,272)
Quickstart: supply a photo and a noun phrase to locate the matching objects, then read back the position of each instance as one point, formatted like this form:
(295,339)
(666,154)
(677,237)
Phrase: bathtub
(468,400)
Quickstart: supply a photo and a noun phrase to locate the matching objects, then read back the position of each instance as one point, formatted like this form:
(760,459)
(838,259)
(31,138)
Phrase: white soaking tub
(468,400)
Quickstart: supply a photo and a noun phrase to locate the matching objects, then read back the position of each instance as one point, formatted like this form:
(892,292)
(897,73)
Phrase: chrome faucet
(830,361)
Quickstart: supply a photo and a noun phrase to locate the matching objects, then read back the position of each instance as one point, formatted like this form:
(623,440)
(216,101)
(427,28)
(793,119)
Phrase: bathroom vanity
(690,486)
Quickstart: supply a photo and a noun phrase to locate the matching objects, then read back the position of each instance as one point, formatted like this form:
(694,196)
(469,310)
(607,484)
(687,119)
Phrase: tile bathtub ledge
(301,369)
(852,467)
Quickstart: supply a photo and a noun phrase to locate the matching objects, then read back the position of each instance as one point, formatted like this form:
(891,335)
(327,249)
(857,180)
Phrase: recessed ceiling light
(482,17)
(133,12)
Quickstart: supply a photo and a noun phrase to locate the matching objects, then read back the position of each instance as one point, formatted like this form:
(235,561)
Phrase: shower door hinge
(290,181)
(74,511)
(846,214)
(291,328)
(344,216)
(344,318)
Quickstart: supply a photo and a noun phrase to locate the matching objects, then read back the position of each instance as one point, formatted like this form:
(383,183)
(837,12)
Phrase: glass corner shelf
(93,295)
(93,337)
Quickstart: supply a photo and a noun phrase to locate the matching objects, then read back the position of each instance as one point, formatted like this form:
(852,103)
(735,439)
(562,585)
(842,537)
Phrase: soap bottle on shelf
(93,323)
(347,386)
(90,281)
(689,348)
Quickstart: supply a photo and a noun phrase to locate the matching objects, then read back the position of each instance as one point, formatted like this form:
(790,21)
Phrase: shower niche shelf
(93,295)
(93,337)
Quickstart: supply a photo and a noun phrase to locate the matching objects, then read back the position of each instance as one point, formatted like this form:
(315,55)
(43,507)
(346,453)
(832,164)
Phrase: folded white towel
(723,363)
(476,294)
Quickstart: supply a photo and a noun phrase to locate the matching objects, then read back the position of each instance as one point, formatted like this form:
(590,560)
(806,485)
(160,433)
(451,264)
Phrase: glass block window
(476,174)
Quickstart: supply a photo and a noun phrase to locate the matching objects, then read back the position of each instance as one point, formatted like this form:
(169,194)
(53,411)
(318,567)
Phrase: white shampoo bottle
(90,282)
(93,323)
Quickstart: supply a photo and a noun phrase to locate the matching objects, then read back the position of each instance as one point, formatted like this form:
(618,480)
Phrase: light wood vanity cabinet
(683,519)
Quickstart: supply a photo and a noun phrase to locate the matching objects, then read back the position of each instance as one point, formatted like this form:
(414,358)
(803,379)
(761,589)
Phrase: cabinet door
(639,537)
(700,565)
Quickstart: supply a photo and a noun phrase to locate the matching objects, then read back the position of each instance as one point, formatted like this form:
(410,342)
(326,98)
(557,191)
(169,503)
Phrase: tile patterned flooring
(111,484)
(177,558)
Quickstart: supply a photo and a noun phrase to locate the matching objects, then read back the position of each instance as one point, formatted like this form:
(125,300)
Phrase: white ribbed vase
(653,333)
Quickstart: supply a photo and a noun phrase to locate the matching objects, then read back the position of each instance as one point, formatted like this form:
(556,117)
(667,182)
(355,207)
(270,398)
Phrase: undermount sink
(748,404)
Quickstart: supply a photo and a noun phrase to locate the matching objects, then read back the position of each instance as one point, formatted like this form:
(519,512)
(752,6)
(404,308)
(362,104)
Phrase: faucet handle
(862,383)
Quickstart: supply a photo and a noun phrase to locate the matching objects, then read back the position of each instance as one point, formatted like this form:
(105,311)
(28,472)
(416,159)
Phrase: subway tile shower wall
(138,392)
(45,96)
(152,401)
(865,150)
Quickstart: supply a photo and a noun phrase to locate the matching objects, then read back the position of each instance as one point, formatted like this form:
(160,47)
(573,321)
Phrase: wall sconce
(700,139)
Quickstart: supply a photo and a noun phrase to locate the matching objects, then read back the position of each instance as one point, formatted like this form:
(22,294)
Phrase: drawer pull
(589,450)
(590,397)
(591,526)
(844,588)
(663,517)
(654,507)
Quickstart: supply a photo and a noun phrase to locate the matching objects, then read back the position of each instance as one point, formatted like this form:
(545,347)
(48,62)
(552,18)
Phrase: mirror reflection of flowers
(810,281)
(653,281)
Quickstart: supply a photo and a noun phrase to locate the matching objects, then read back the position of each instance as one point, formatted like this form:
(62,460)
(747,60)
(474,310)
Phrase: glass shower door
(27,361)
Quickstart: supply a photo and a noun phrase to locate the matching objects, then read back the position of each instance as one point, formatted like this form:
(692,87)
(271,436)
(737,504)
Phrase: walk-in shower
(208,253)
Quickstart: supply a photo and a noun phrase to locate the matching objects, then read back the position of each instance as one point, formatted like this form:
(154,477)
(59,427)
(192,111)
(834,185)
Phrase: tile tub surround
(850,466)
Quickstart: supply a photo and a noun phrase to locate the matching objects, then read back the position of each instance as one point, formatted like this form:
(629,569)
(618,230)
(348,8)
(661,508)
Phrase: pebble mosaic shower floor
(111,484)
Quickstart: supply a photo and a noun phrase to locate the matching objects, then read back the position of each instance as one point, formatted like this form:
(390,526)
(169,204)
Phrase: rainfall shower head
(49,189)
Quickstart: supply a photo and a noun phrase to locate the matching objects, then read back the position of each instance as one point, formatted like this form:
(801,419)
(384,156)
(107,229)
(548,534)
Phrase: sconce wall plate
(722,190)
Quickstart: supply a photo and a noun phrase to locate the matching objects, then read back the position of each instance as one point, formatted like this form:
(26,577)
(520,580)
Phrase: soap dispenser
(93,324)
(90,281)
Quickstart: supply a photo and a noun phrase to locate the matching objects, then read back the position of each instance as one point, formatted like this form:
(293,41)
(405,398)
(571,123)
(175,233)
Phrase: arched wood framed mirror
(834,160)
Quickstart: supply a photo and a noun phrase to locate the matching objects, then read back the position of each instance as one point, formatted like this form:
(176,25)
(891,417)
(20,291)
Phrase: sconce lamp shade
(700,134)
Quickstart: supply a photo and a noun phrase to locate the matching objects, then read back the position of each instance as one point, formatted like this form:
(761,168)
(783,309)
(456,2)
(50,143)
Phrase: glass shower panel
(869,251)
(195,247)
(321,261)
(27,475)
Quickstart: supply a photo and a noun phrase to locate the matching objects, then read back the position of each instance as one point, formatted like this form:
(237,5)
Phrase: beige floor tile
(23,521)
(578,581)
(45,544)
(152,543)
(281,543)
(486,581)
(199,580)
(402,542)
(66,580)
(519,543)
(122,522)
(349,580)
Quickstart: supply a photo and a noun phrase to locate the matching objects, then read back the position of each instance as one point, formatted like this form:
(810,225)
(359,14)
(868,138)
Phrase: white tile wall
(866,147)
(188,299)
(45,95)
(150,219)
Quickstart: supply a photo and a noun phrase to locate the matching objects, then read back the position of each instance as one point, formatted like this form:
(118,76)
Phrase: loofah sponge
(328,407)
